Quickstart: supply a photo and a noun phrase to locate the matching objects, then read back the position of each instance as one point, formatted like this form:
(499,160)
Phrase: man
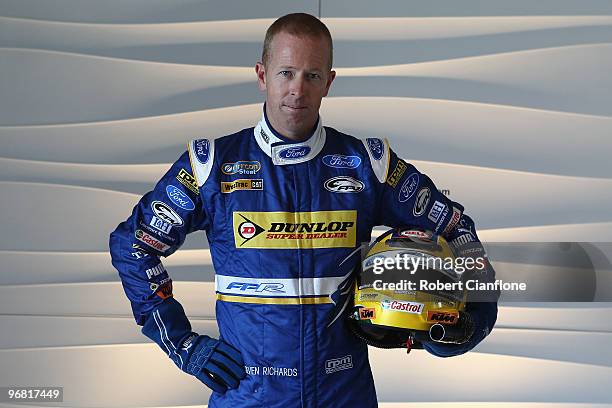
(282,204)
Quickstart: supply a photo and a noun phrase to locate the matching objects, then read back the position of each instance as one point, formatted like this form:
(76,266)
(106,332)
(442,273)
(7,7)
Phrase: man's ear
(330,79)
(260,70)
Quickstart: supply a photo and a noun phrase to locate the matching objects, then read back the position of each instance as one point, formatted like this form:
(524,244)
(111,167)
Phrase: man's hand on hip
(214,362)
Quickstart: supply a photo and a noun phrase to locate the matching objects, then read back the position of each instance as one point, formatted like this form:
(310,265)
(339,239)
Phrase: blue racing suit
(280,217)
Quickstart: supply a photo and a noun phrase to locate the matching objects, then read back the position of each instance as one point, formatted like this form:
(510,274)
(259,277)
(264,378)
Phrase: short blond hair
(300,25)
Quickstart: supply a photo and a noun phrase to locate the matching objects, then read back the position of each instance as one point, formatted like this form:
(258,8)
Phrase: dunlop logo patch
(285,230)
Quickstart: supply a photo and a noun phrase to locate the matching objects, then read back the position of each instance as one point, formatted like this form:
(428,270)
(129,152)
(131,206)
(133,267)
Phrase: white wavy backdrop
(505,104)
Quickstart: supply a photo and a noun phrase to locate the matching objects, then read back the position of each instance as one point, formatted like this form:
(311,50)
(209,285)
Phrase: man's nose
(298,85)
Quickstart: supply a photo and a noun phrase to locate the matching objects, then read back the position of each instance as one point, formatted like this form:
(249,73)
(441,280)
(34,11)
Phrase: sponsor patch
(422,199)
(339,161)
(166,213)
(453,221)
(344,184)
(155,271)
(151,241)
(238,287)
(187,344)
(202,150)
(368,296)
(247,168)
(464,226)
(462,240)
(164,291)
(376,147)
(140,252)
(241,184)
(442,218)
(264,136)
(286,230)
(408,188)
(160,225)
(178,197)
(154,286)
(188,181)
(294,153)
(154,231)
(367,313)
(397,173)
(402,306)
(436,211)
(338,364)
(442,317)
(411,233)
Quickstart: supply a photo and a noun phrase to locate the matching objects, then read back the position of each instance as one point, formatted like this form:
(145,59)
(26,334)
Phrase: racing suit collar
(284,151)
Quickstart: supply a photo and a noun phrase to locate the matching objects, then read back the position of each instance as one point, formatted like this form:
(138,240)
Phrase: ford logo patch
(293,153)
(202,150)
(376,148)
(408,188)
(339,161)
(179,198)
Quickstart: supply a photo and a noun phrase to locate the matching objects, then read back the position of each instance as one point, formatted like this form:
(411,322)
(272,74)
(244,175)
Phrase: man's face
(295,78)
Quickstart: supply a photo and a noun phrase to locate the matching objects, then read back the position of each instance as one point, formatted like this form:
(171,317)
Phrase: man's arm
(157,227)
(483,309)
(410,198)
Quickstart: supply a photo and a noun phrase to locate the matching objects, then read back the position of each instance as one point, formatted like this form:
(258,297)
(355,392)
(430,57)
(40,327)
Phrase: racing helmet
(407,292)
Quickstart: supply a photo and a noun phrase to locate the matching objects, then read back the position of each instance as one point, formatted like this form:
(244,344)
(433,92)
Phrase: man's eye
(285,73)
(315,76)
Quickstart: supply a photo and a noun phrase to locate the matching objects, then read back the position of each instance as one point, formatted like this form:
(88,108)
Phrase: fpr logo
(273,287)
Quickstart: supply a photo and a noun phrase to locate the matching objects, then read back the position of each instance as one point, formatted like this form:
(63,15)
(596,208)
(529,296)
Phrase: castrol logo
(402,306)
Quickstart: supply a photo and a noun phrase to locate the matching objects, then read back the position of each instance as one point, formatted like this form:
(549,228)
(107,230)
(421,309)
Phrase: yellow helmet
(406,292)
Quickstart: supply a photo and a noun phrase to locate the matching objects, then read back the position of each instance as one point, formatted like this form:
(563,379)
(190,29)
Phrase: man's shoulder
(375,150)
(204,152)
(359,143)
(230,138)
(339,137)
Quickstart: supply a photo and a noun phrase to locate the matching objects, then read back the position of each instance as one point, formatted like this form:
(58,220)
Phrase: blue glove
(214,362)
(483,316)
